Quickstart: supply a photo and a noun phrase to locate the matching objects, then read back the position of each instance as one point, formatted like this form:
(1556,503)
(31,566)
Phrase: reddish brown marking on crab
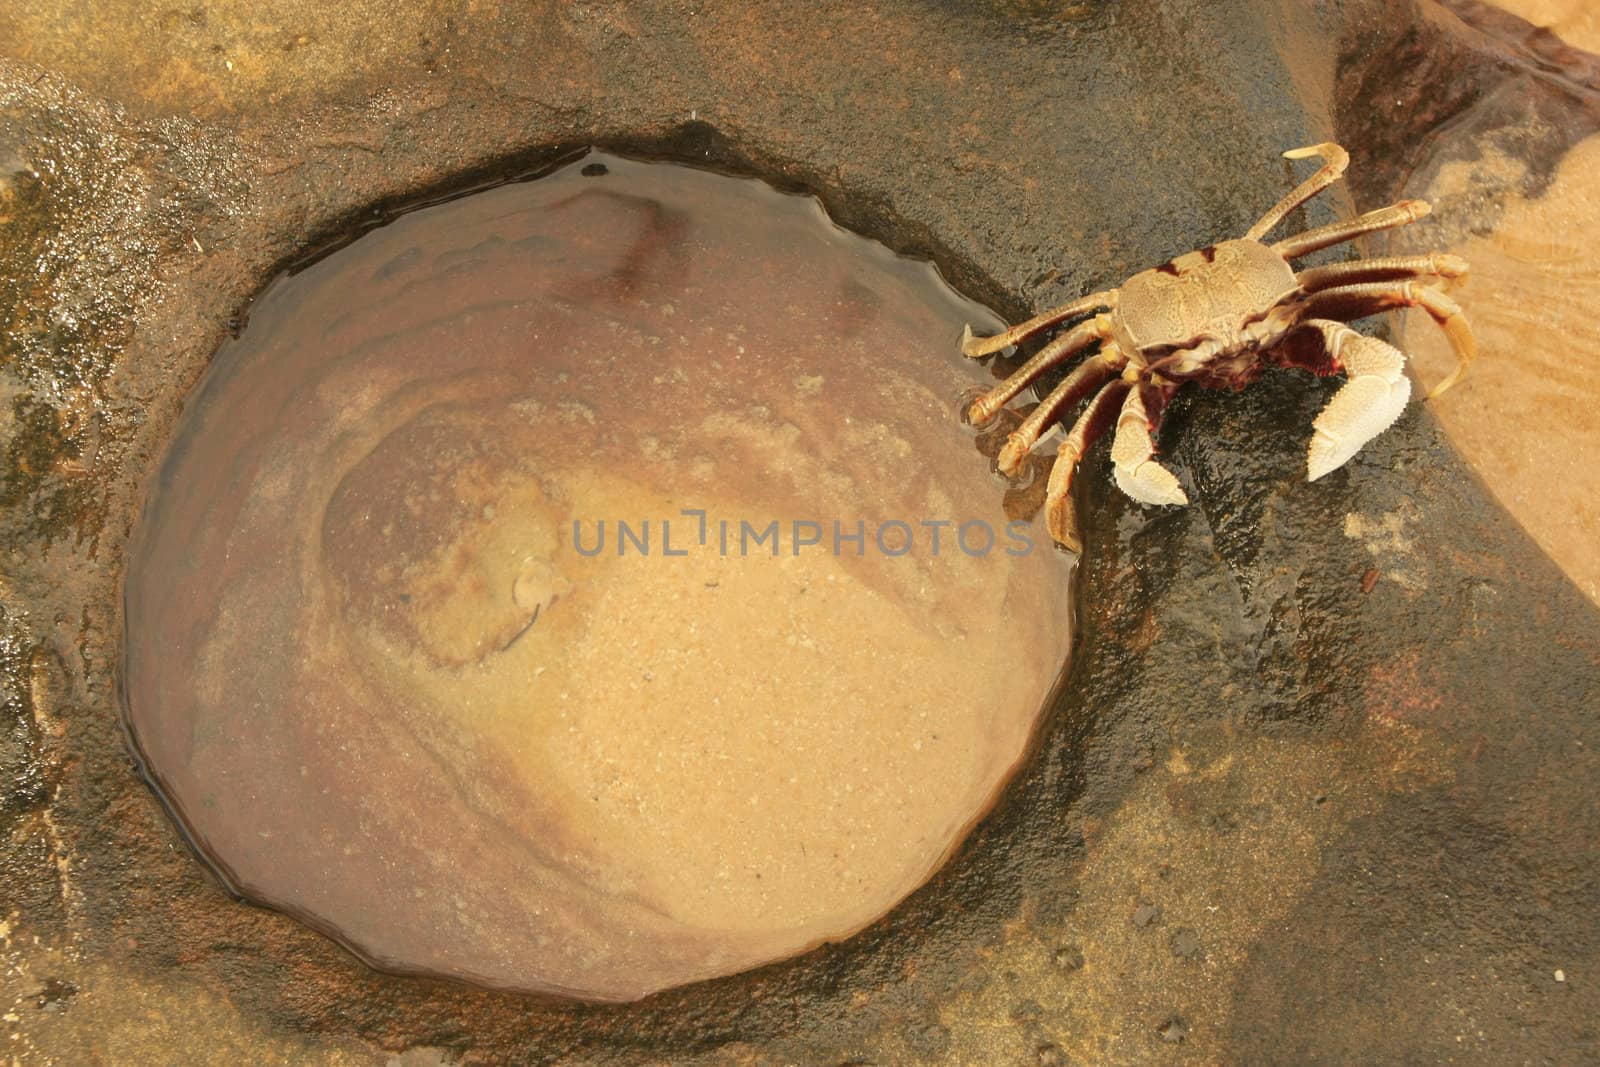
(1219,316)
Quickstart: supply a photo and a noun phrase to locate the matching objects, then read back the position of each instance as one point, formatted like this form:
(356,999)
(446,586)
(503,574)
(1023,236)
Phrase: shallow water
(1525,414)
(379,672)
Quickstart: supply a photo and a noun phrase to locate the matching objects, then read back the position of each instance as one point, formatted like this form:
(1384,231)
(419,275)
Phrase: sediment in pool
(584,587)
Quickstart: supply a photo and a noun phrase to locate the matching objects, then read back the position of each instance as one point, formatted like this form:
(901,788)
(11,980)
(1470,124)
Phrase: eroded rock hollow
(584,587)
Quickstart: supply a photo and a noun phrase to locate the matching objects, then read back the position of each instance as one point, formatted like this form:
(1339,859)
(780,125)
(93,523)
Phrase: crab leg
(1085,378)
(1384,218)
(977,347)
(1336,160)
(1392,268)
(1359,301)
(1133,449)
(1366,404)
(1074,340)
(1059,517)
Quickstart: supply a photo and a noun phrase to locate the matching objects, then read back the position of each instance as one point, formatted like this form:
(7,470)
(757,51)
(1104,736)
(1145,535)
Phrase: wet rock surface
(1512,174)
(1370,798)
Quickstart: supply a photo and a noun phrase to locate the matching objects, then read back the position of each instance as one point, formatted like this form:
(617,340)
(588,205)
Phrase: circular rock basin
(585,587)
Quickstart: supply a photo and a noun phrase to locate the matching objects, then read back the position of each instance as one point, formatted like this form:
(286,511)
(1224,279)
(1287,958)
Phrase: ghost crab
(1219,316)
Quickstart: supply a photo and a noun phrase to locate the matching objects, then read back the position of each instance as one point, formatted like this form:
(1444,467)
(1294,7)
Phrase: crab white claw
(1133,458)
(1373,396)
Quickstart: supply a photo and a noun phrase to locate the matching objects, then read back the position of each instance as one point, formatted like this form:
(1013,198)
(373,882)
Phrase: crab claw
(1365,406)
(1150,483)
(1133,457)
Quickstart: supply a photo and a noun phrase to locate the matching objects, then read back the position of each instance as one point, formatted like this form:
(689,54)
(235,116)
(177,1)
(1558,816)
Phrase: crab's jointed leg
(1085,378)
(1336,159)
(978,347)
(1367,404)
(1059,517)
(1073,341)
(1358,301)
(1133,448)
(1384,218)
(1392,268)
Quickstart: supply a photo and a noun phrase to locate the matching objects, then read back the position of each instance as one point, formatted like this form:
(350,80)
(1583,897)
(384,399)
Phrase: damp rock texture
(1320,786)
(1515,178)
(544,592)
